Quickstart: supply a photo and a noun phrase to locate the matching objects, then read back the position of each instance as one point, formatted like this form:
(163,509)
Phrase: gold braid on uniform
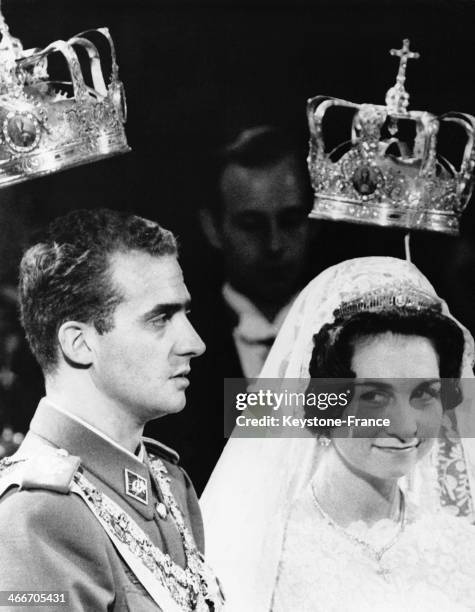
(189,587)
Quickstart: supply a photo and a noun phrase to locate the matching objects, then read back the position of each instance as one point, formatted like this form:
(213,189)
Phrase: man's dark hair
(66,275)
(334,347)
(258,147)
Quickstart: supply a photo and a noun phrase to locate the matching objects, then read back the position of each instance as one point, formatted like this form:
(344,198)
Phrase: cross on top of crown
(397,98)
(404,54)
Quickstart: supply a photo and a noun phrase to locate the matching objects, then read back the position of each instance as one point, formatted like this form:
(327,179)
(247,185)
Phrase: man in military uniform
(90,511)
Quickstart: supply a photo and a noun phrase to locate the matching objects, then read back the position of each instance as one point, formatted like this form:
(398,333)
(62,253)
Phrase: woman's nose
(403,420)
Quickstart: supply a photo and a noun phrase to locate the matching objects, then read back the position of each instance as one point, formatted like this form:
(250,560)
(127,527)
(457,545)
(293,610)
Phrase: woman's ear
(73,338)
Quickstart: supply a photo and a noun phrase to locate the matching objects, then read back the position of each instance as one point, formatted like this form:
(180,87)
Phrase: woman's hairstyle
(334,345)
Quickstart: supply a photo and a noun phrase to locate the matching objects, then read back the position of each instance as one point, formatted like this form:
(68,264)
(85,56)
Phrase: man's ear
(210,228)
(74,340)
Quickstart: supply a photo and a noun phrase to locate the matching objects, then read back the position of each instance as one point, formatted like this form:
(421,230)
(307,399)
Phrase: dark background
(197,72)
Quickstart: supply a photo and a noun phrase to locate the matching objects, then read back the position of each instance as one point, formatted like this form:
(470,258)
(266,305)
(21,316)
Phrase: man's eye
(250,221)
(160,321)
(293,218)
(249,225)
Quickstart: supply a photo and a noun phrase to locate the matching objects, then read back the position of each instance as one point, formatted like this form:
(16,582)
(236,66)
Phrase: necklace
(376,554)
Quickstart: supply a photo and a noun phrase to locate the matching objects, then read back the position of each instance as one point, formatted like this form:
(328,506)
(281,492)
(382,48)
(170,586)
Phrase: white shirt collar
(253,325)
(254,334)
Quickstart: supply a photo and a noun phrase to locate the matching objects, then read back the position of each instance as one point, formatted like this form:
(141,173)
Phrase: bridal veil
(248,497)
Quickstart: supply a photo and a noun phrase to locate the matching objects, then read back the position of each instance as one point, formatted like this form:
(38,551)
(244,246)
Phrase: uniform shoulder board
(50,471)
(157,448)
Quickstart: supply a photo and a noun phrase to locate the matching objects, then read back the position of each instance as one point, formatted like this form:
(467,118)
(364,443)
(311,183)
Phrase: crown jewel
(390,173)
(48,125)
(397,295)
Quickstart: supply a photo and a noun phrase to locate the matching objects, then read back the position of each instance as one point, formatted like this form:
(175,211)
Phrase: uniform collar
(99,454)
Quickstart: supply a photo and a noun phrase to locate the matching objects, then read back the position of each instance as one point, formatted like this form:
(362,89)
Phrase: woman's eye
(427,394)
(375,397)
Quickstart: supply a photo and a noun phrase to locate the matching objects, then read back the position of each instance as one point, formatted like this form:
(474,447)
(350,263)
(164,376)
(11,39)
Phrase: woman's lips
(397,449)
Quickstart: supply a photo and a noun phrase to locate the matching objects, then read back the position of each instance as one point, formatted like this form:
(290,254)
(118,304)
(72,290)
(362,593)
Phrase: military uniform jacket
(51,541)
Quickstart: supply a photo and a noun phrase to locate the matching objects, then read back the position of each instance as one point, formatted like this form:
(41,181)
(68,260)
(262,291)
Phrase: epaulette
(157,448)
(50,471)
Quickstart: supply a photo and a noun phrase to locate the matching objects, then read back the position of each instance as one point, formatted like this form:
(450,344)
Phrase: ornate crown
(393,296)
(48,125)
(386,175)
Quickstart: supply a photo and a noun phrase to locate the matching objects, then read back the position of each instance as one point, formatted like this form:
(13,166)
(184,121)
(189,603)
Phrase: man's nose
(190,342)
(275,239)
(403,420)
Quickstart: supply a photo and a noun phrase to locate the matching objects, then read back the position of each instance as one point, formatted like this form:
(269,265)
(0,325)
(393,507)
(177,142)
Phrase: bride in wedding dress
(357,518)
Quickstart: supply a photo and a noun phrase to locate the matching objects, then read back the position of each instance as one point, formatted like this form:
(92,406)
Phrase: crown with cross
(47,125)
(390,172)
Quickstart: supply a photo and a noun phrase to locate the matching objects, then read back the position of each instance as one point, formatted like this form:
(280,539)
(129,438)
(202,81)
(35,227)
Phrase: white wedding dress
(429,567)
(266,540)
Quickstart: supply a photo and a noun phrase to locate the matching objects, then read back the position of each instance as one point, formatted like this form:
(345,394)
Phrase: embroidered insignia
(136,486)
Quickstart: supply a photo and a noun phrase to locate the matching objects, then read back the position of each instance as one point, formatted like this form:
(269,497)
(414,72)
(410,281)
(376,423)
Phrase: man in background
(259,225)
(258,228)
